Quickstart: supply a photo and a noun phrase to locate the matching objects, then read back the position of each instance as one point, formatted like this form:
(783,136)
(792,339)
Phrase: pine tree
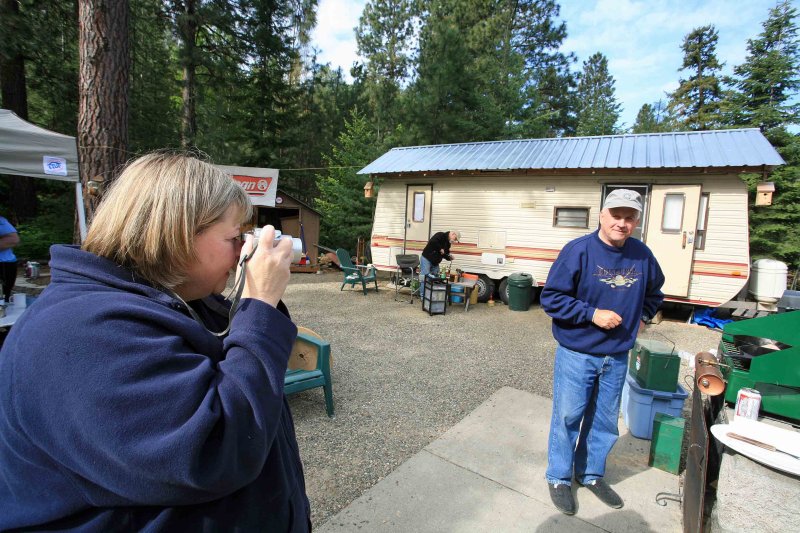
(652,118)
(346,214)
(764,87)
(104,51)
(770,76)
(696,101)
(384,35)
(599,109)
(549,90)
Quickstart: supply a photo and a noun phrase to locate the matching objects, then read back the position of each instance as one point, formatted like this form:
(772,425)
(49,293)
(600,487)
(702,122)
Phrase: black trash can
(520,285)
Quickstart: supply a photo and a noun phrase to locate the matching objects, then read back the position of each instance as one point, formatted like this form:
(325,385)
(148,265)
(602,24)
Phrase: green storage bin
(667,442)
(654,365)
(520,286)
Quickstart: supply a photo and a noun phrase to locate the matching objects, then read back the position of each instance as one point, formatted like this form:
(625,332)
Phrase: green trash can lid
(520,279)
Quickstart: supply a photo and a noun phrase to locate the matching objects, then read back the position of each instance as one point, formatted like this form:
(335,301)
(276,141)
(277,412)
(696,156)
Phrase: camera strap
(238,288)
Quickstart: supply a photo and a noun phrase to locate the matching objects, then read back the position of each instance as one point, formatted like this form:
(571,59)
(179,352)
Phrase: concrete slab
(487,474)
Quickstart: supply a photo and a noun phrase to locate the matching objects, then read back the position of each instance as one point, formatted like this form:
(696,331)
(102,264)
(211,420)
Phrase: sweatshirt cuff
(255,318)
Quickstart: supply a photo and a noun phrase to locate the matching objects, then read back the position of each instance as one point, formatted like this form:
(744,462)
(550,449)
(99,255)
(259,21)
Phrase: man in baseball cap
(601,290)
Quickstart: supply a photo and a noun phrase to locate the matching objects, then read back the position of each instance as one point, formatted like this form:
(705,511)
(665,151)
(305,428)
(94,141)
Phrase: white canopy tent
(28,150)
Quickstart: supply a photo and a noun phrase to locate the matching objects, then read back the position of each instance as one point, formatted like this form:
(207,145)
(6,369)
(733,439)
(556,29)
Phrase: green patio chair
(353,274)
(310,367)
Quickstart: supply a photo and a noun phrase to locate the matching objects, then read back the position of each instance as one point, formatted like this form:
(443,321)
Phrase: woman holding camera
(125,404)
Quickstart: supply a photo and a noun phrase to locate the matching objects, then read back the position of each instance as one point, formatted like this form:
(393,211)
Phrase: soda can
(748,402)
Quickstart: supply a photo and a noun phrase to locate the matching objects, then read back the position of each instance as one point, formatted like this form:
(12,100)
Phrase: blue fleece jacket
(119,412)
(590,274)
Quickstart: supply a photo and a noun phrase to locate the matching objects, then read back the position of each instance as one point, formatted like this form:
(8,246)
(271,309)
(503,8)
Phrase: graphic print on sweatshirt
(618,277)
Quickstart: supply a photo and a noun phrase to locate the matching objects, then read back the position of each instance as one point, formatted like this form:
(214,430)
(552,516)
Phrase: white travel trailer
(517,203)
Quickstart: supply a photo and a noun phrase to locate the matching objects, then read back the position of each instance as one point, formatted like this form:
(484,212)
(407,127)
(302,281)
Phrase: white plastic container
(768,280)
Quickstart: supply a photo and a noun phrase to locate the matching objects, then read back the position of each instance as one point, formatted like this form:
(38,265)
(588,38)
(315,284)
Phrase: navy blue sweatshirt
(590,274)
(119,412)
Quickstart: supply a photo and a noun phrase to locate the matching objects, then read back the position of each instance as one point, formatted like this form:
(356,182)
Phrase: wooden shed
(293,217)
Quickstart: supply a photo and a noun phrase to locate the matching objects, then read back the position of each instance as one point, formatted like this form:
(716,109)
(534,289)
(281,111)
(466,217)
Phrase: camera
(297,244)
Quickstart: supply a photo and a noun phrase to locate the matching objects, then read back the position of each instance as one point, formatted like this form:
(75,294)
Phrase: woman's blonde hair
(149,218)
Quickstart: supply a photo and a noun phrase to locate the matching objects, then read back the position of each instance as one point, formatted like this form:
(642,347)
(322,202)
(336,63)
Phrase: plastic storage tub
(639,406)
(457,294)
(655,365)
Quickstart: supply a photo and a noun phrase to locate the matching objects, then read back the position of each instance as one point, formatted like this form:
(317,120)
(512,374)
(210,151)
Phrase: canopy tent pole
(79,205)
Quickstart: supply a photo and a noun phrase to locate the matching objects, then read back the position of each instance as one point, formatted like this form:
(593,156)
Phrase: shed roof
(696,149)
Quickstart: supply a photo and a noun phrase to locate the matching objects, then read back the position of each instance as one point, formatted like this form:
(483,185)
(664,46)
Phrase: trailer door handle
(684,240)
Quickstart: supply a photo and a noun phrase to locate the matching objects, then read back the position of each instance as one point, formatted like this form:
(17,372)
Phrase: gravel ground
(402,378)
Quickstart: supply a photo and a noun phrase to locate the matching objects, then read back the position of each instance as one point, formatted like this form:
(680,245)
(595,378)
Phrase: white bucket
(768,281)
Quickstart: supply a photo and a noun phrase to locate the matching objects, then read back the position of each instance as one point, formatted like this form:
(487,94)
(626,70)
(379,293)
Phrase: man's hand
(606,319)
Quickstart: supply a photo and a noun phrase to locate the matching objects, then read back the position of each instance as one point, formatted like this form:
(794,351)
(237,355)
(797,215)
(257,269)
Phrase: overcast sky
(640,38)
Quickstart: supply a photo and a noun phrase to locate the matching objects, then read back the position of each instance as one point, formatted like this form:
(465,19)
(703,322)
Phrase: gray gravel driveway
(402,378)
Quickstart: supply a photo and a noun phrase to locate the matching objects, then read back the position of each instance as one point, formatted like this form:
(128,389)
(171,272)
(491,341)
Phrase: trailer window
(419,207)
(672,219)
(571,217)
(702,222)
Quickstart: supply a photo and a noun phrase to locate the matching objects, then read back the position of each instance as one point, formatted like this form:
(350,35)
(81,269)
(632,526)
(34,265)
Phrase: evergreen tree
(105,63)
(346,214)
(775,229)
(384,35)
(599,109)
(652,119)
(770,76)
(696,101)
(469,79)
(550,103)
(154,110)
(764,88)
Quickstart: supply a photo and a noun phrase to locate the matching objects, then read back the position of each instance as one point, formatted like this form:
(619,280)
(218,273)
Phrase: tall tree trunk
(104,52)
(22,194)
(187,27)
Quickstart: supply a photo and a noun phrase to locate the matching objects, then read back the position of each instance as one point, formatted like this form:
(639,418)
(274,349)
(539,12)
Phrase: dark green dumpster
(520,286)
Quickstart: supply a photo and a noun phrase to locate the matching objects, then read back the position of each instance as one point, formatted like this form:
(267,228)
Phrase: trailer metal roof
(695,149)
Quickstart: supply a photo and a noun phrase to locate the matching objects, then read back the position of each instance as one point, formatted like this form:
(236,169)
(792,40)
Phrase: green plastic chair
(299,379)
(353,274)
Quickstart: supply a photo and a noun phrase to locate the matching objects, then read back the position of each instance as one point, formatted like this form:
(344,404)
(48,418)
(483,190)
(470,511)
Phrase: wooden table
(468,285)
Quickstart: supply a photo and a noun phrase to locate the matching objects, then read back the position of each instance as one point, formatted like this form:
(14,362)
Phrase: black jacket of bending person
(432,251)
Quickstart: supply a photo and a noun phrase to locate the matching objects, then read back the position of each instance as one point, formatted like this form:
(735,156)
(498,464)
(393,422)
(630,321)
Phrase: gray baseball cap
(623,198)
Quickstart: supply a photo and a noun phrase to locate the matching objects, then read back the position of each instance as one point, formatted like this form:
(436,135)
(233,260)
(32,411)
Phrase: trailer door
(671,232)
(418,214)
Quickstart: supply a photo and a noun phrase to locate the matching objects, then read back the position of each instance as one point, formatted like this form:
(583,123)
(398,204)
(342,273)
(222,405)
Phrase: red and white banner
(261,184)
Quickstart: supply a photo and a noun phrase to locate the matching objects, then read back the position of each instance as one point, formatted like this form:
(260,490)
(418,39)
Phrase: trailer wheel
(504,291)
(485,287)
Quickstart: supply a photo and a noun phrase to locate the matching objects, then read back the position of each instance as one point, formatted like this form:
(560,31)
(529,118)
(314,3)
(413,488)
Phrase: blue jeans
(586,395)
(426,267)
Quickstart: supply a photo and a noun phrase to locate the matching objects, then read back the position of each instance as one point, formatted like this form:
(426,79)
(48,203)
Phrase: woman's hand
(268,270)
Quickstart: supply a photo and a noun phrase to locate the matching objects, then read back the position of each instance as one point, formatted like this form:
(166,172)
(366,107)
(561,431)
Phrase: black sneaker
(561,495)
(605,493)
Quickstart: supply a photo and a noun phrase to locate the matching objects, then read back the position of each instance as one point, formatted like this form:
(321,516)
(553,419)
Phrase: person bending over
(438,248)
